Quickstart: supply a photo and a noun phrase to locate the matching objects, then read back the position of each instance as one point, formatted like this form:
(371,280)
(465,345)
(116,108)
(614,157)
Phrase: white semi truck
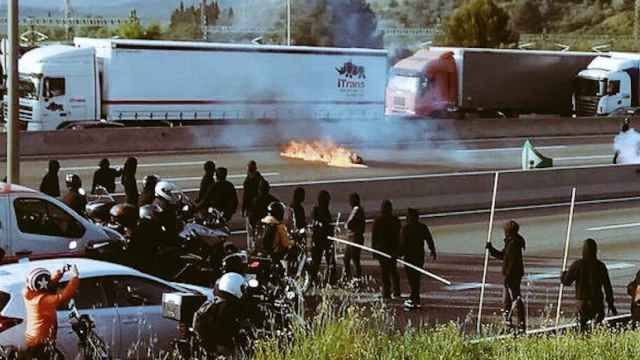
(610,82)
(134,81)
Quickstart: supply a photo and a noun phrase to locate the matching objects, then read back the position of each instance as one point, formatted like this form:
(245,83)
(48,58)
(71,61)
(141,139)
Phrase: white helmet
(38,279)
(232,283)
(167,191)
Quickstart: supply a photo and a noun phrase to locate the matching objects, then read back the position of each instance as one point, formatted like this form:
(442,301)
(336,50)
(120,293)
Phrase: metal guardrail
(72,21)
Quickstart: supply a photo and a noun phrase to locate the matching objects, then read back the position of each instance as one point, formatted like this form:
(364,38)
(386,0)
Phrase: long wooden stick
(566,252)
(486,251)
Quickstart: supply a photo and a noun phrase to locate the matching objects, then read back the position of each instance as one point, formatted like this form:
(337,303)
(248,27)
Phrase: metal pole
(289,22)
(566,252)
(13,143)
(636,22)
(486,251)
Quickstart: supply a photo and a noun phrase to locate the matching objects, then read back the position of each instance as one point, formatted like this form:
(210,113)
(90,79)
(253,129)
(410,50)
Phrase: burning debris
(325,151)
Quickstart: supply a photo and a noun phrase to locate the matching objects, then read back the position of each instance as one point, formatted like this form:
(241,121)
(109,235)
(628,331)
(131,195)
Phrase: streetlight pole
(289,22)
(13,141)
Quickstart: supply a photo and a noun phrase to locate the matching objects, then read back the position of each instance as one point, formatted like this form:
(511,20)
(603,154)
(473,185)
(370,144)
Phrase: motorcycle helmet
(149,182)
(167,191)
(73,181)
(276,209)
(124,214)
(99,211)
(38,279)
(150,212)
(232,284)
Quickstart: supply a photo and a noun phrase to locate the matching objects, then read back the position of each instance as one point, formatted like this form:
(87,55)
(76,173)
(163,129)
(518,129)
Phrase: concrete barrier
(269,134)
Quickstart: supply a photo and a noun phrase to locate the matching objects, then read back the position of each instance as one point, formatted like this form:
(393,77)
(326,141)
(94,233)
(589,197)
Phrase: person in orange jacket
(41,300)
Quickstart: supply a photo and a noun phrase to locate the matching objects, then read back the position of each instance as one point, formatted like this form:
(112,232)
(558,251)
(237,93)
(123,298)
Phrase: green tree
(132,29)
(479,23)
(185,21)
(153,32)
(526,17)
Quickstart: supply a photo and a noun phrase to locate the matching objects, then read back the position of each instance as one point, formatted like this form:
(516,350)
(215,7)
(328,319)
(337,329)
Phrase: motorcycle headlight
(253,283)
(290,295)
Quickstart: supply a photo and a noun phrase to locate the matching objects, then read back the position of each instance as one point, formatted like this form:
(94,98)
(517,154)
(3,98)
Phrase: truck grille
(399,102)
(587,105)
(25,112)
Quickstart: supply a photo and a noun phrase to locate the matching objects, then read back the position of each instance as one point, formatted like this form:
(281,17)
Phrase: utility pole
(636,23)
(289,22)
(204,26)
(13,140)
(67,16)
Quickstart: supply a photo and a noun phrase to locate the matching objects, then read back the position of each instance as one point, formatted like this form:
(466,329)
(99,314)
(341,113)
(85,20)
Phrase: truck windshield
(406,83)
(27,88)
(589,87)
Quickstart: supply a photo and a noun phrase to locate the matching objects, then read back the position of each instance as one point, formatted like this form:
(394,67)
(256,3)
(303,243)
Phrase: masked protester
(50,184)
(105,176)
(322,223)
(207,179)
(250,186)
(221,195)
(41,300)
(129,181)
(512,270)
(633,289)
(275,240)
(385,237)
(75,198)
(412,237)
(148,190)
(591,277)
(355,233)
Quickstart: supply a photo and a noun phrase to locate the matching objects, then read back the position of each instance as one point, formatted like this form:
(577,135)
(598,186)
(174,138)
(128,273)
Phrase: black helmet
(149,182)
(150,212)
(73,181)
(124,214)
(276,209)
(99,210)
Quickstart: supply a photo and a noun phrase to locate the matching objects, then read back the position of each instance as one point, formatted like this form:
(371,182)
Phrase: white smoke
(627,146)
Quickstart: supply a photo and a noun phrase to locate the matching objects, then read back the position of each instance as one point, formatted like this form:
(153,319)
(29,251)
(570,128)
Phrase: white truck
(34,224)
(610,82)
(134,81)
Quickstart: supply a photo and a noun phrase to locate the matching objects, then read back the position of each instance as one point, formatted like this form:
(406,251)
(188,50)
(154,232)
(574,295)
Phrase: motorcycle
(298,260)
(90,344)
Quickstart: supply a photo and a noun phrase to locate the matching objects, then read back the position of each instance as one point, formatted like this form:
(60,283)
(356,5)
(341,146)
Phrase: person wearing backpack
(275,241)
(219,323)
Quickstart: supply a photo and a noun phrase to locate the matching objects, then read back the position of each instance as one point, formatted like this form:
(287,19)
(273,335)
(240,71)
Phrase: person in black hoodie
(221,195)
(512,270)
(129,181)
(50,183)
(297,216)
(251,186)
(105,176)
(385,237)
(322,223)
(207,179)
(591,276)
(258,210)
(412,237)
(355,233)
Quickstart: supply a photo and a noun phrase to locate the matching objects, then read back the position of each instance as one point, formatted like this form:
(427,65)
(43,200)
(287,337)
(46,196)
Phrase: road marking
(471,286)
(613,227)
(588,157)
(551,147)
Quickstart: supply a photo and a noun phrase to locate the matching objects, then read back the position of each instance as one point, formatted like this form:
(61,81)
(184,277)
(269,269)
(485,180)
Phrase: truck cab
(422,85)
(58,86)
(34,224)
(608,83)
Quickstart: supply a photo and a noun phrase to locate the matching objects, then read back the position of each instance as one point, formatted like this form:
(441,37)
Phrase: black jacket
(590,275)
(356,222)
(511,256)
(146,197)
(206,182)
(106,178)
(75,201)
(258,209)
(50,185)
(225,320)
(385,234)
(322,226)
(412,238)
(298,217)
(222,196)
(130,190)
(250,191)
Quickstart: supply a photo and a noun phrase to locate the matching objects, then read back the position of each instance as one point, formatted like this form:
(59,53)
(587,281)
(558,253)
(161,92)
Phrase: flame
(323,151)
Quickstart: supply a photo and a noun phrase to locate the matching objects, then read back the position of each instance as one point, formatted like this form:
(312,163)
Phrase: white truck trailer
(133,81)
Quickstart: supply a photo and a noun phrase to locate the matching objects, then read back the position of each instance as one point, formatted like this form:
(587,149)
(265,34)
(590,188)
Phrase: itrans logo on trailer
(351,79)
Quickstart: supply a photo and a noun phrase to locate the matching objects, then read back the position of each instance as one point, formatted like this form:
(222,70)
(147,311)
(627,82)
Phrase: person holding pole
(591,276)
(513,270)
(412,237)
(385,238)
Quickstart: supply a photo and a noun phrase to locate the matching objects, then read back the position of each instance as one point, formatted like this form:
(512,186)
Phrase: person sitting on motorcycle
(139,245)
(76,197)
(275,240)
(218,324)
(41,300)
(258,208)
(167,200)
(148,190)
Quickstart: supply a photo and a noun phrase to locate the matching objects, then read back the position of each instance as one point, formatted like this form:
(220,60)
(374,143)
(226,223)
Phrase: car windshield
(27,88)
(587,87)
(406,83)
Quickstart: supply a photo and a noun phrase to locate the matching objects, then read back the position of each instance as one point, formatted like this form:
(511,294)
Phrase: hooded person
(385,237)
(50,184)
(207,179)
(412,237)
(129,181)
(105,176)
(322,223)
(75,197)
(513,271)
(297,218)
(250,186)
(258,209)
(591,277)
(355,225)
(221,195)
